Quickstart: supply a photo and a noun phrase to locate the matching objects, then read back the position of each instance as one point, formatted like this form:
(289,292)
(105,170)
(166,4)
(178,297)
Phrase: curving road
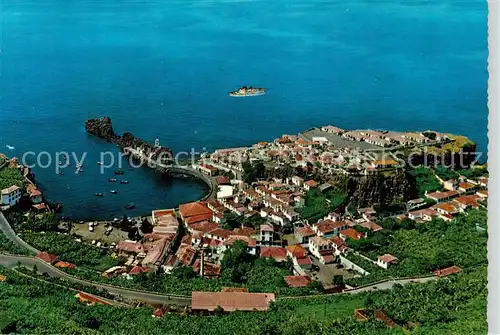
(11,235)
(11,261)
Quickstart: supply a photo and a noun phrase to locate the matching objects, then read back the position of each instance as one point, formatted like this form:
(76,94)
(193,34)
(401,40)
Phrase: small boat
(248,92)
(100,163)
(119,172)
(99,195)
(112,180)
(130,205)
(123,181)
(113,191)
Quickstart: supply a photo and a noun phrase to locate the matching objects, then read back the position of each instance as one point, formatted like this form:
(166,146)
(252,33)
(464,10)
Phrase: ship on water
(248,92)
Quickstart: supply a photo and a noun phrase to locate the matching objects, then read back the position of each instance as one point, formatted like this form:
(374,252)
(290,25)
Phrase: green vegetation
(318,205)
(426,180)
(21,222)
(424,248)
(239,269)
(459,143)
(67,249)
(446,174)
(10,247)
(9,177)
(456,305)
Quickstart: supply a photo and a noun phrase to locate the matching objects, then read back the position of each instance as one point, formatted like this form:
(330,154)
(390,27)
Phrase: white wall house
(11,195)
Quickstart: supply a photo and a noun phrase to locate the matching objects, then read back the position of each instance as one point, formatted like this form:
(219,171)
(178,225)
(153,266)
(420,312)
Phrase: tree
(338,280)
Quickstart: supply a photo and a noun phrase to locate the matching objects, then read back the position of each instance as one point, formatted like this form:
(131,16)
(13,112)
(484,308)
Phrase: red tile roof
(266,227)
(251,242)
(87,298)
(447,271)
(387,258)
(186,254)
(379,315)
(204,226)
(139,269)
(305,231)
(304,261)
(297,281)
(219,232)
(277,253)
(311,183)
(297,251)
(46,257)
(352,233)
(159,312)
(198,218)
(222,180)
(65,265)
(231,301)
(194,209)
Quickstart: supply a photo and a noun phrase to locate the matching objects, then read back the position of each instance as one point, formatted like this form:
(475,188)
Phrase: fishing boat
(112,180)
(113,192)
(100,163)
(99,195)
(248,92)
(130,205)
(123,181)
(119,172)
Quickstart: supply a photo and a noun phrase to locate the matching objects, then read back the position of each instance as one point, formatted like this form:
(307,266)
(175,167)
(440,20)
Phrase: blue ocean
(162,69)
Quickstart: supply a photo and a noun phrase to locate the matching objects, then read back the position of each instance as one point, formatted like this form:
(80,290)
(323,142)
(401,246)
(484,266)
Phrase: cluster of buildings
(330,148)
(12,195)
(456,197)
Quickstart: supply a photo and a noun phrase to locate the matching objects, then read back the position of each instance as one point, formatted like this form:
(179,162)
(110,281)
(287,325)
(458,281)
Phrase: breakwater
(155,157)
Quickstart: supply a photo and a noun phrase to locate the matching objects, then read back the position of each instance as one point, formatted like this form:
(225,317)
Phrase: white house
(296,180)
(11,195)
(385,260)
(266,233)
(319,246)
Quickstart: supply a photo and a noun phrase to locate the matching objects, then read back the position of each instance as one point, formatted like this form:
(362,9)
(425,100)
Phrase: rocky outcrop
(103,128)
(382,189)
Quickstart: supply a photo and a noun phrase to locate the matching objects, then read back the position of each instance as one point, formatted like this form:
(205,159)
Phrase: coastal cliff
(103,128)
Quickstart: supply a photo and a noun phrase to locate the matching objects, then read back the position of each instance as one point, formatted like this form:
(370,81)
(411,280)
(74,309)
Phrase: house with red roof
(296,251)
(46,257)
(320,246)
(310,184)
(386,260)
(351,233)
(303,234)
(250,242)
(195,212)
(277,253)
(447,271)
(297,281)
(138,270)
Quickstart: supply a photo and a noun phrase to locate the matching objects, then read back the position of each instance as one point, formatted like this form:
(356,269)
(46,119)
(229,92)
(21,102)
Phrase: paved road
(11,261)
(389,284)
(11,235)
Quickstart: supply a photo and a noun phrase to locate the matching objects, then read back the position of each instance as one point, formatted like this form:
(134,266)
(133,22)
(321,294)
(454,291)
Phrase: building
(296,251)
(310,184)
(319,247)
(207,169)
(35,194)
(230,301)
(11,195)
(195,212)
(46,257)
(303,234)
(328,227)
(90,299)
(279,254)
(250,242)
(447,271)
(351,233)
(266,233)
(386,260)
(296,180)
(442,196)
(297,281)
(164,221)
